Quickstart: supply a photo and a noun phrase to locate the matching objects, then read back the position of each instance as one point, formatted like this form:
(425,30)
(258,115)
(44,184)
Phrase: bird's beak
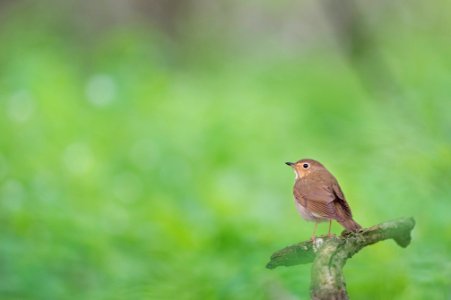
(289,164)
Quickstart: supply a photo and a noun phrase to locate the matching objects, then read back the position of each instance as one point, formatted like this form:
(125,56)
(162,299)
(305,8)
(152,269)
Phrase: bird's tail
(350,224)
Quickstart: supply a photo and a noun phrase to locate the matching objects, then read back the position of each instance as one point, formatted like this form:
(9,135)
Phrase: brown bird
(318,197)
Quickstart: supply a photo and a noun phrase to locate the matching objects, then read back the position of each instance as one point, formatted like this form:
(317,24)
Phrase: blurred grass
(124,175)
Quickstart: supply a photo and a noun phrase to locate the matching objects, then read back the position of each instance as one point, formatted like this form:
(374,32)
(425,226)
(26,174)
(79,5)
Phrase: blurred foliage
(133,166)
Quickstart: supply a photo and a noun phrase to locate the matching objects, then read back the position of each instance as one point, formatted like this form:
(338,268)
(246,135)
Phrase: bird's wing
(340,199)
(315,197)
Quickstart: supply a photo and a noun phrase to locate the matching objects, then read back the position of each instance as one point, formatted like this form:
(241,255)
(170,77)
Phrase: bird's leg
(314,231)
(330,225)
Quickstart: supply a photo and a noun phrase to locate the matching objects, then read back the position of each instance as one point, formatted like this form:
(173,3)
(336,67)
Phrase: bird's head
(304,167)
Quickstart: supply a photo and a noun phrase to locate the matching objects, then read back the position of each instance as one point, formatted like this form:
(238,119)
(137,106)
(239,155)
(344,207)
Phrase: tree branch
(329,255)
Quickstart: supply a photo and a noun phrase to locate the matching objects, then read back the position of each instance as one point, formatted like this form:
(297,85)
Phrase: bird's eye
(305,166)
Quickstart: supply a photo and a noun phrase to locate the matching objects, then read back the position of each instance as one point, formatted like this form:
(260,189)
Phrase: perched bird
(318,197)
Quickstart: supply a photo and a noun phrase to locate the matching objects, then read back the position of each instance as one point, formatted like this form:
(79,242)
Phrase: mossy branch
(329,255)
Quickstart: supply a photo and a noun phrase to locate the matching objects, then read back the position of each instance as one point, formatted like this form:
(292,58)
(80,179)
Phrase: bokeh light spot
(20,106)
(100,90)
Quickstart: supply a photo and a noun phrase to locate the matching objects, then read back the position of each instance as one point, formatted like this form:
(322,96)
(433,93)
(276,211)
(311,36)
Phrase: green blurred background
(143,143)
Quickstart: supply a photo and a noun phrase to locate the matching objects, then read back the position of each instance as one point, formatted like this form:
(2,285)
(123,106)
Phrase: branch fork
(329,255)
